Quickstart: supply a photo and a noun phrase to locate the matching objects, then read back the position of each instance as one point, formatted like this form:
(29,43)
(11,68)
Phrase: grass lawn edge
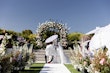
(71,68)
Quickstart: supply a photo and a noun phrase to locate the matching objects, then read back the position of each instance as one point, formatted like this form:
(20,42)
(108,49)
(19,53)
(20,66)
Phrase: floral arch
(61,28)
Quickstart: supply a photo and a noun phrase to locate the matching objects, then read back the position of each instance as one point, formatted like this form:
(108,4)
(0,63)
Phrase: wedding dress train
(61,56)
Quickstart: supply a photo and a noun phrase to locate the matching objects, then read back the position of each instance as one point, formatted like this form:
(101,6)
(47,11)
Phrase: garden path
(54,68)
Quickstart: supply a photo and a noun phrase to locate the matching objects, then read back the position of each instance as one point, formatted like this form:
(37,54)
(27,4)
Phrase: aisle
(54,68)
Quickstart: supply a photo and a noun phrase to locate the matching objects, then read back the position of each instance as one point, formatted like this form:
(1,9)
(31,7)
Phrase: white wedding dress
(62,58)
(56,50)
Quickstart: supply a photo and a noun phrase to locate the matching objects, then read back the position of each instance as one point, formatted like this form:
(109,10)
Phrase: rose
(102,61)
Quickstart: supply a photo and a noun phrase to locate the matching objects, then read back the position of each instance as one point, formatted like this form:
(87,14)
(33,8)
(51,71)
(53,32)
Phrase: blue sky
(79,15)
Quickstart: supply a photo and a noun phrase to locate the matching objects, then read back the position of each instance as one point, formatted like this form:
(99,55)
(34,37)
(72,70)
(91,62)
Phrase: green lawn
(71,68)
(35,68)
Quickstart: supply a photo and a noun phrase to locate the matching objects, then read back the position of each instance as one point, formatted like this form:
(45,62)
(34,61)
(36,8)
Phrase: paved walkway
(54,68)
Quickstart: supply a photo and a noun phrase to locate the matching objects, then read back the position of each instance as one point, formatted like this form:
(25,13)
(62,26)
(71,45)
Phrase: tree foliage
(26,33)
(75,36)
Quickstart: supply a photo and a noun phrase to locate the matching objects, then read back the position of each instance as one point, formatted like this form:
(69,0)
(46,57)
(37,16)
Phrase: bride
(57,50)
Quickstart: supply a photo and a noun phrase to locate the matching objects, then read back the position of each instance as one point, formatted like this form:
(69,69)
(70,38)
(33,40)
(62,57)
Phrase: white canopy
(101,38)
(93,31)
